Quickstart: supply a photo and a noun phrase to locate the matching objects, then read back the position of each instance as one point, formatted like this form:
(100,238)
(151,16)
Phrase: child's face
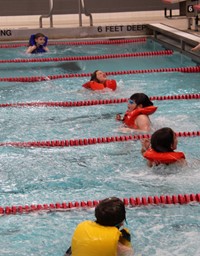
(131,105)
(101,76)
(40,40)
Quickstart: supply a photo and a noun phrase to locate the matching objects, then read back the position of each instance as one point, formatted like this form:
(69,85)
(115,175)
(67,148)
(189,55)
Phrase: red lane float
(95,102)
(87,141)
(194,69)
(93,57)
(110,41)
(197,7)
(129,202)
(173,1)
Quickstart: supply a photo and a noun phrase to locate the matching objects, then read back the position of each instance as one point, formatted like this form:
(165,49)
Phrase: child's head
(164,140)
(40,39)
(98,76)
(141,99)
(110,212)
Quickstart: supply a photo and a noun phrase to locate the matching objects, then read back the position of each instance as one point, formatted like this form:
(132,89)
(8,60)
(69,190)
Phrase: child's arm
(182,162)
(145,145)
(31,49)
(123,250)
(46,48)
(124,246)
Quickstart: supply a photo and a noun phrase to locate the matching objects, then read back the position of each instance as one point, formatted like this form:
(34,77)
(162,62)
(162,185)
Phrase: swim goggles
(131,101)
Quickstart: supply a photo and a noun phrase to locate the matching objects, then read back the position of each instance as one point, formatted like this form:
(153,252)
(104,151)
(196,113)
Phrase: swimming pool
(49,175)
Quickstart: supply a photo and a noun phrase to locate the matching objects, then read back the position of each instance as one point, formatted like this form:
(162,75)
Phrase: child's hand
(46,49)
(118,117)
(145,144)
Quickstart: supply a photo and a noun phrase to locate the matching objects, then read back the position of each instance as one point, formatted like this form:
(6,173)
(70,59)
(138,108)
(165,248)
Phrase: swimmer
(105,235)
(160,148)
(137,114)
(37,44)
(99,81)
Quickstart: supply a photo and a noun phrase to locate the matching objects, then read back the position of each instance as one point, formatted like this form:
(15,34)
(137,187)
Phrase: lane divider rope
(193,69)
(88,141)
(93,57)
(181,199)
(95,102)
(110,41)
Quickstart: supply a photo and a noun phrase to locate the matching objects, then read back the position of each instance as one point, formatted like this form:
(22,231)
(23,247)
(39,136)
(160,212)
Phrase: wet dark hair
(39,35)
(110,212)
(162,140)
(36,36)
(94,76)
(141,98)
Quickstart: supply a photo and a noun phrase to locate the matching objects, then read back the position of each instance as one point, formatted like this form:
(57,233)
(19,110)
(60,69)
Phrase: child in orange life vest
(37,44)
(99,81)
(160,149)
(105,236)
(137,114)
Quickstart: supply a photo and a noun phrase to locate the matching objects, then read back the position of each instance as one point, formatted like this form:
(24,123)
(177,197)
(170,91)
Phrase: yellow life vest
(92,239)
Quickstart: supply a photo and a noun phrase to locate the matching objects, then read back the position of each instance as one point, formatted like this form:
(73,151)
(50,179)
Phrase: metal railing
(49,15)
(46,9)
(82,9)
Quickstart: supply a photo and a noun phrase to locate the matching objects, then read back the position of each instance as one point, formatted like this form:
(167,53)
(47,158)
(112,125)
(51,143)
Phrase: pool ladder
(82,9)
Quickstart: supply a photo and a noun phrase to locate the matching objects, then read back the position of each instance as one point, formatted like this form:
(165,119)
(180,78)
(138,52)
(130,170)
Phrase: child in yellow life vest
(160,149)
(105,236)
(137,114)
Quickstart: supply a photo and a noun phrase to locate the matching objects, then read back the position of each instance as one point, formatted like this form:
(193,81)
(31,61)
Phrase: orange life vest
(129,117)
(93,85)
(163,157)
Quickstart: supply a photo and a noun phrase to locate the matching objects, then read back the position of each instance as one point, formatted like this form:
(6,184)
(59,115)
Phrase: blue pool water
(50,175)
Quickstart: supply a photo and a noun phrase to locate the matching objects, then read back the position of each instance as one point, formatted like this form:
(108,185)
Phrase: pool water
(49,175)
(77,67)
